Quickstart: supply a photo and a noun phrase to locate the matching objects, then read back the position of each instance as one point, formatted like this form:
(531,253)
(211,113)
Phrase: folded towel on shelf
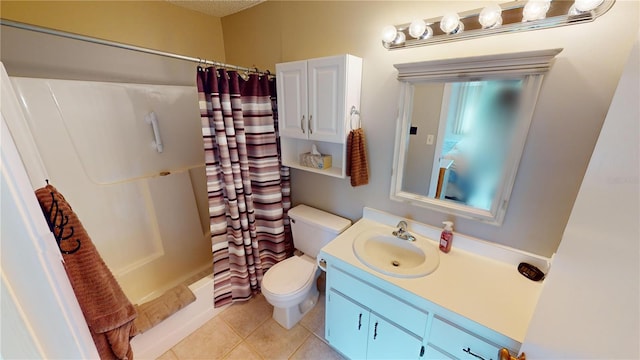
(357,165)
(106,309)
(153,312)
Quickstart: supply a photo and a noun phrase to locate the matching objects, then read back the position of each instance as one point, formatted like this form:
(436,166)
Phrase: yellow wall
(572,106)
(154,24)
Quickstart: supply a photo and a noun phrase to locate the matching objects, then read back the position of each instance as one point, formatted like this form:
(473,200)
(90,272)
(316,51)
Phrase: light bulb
(427,34)
(451,24)
(417,28)
(587,5)
(535,10)
(400,38)
(389,33)
(490,16)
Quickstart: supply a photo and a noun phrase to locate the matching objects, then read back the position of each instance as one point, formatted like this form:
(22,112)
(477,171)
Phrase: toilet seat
(289,276)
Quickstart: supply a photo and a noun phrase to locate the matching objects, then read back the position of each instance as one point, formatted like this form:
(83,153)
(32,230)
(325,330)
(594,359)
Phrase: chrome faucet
(402,233)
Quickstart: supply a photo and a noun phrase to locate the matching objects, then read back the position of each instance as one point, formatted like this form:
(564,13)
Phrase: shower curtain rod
(90,39)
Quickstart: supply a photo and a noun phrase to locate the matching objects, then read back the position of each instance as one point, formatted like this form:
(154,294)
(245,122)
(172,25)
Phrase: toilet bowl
(290,285)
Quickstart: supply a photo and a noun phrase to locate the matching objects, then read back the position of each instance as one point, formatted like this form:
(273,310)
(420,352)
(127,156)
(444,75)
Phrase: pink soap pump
(446,238)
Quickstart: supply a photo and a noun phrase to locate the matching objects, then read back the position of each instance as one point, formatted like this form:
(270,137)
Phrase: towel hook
(353,112)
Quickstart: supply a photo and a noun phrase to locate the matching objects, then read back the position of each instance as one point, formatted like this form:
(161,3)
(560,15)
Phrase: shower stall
(129,159)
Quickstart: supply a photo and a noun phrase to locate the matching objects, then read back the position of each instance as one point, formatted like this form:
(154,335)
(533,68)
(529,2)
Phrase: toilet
(290,285)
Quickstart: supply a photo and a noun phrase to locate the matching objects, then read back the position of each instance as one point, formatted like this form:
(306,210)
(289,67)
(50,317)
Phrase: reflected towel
(357,166)
(106,309)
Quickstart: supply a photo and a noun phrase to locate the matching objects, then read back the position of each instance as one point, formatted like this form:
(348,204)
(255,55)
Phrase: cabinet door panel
(347,325)
(327,83)
(292,99)
(387,341)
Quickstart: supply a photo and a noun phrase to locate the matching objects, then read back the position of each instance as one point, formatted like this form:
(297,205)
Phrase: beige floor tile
(272,341)
(211,341)
(314,348)
(169,355)
(314,320)
(242,352)
(245,317)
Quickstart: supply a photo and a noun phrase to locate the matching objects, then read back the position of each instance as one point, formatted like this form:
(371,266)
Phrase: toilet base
(289,317)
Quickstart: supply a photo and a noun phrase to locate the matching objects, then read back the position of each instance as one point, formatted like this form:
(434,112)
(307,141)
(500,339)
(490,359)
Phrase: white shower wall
(150,227)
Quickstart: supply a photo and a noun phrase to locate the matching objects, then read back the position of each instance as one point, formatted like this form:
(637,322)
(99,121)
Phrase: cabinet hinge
(422,351)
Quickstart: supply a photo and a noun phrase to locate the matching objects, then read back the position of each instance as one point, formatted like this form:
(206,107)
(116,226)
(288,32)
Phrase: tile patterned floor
(246,331)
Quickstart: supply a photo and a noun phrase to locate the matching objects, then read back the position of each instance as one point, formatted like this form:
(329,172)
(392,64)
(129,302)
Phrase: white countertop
(476,286)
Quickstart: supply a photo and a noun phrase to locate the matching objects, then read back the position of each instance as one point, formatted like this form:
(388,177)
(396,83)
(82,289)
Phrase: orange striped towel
(357,165)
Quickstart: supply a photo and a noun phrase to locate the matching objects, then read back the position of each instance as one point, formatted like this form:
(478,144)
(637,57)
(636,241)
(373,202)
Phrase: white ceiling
(217,8)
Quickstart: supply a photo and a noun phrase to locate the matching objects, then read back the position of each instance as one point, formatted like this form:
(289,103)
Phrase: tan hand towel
(106,309)
(357,165)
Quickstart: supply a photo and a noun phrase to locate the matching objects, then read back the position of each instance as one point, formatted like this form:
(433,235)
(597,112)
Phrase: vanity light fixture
(498,18)
(451,24)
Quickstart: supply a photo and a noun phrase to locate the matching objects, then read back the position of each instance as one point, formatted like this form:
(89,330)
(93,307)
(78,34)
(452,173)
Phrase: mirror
(459,143)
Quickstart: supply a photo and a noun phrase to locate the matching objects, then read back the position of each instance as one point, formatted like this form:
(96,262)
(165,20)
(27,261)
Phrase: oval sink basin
(396,257)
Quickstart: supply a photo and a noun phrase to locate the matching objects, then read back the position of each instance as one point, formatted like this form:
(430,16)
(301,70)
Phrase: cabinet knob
(504,354)
(302,124)
(309,125)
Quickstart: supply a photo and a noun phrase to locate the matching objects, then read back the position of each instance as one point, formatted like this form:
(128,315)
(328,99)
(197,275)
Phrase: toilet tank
(312,228)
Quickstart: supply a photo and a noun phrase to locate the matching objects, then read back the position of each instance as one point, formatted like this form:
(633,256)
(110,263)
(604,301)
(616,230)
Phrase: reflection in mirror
(459,138)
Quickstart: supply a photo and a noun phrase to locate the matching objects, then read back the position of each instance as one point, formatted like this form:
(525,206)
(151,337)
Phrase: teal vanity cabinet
(368,317)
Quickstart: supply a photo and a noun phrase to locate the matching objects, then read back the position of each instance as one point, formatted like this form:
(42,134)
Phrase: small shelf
(332,171)
(292,148)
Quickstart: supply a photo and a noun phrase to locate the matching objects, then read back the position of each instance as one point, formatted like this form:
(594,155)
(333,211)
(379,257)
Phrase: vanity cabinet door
(292,99)
(347,326)
(387,341)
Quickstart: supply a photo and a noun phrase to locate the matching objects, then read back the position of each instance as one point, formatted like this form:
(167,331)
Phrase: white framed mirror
(461,130)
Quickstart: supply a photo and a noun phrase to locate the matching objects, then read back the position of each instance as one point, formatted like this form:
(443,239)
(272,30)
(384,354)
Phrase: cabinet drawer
(410,318)
(460,343)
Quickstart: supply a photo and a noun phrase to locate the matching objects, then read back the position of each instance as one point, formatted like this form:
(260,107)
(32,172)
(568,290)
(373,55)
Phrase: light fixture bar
(560,13)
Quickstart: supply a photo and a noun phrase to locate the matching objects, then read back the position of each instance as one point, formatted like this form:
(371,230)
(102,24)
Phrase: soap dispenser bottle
(446,238)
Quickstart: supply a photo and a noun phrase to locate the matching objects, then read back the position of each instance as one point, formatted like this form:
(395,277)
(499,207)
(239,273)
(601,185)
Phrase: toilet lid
(288,276)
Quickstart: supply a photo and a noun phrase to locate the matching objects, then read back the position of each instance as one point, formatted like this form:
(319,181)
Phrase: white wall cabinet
(315,98)
(369,318)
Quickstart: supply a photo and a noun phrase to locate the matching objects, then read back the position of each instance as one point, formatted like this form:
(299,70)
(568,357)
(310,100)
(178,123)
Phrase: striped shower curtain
(248,187)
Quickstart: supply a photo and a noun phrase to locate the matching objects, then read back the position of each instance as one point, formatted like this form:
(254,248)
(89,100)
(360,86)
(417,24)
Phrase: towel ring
(353,112)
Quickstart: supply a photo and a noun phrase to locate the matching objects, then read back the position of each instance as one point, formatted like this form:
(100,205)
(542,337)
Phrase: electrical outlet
(430,139)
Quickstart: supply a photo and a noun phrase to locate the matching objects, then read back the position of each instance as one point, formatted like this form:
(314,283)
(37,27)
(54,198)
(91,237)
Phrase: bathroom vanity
(472,305)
